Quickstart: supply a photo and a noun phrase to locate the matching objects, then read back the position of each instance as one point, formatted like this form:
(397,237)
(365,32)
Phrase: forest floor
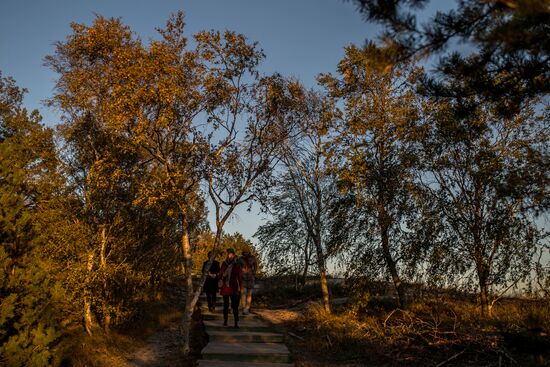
(162,347)
(437,330)
(443,330)
(153,340)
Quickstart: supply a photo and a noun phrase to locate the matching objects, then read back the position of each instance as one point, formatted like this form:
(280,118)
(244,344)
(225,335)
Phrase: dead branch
(295,336)
(450,359)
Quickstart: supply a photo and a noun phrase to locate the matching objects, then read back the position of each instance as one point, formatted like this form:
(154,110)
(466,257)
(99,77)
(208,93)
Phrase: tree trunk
(89,322)
(392,267)
(322,274)
(192,295)
(484,300)
(483,277)
(187,265)
(103,272)
(482,264)
(89,319)
(306,264)
(304,274)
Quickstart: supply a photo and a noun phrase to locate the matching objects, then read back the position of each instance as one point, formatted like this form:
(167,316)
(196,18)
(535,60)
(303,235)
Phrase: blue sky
(300,39)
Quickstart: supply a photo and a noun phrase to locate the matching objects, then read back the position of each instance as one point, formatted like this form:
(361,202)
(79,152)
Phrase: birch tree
(488,176)
(374,159)
(194,118)
(304,180)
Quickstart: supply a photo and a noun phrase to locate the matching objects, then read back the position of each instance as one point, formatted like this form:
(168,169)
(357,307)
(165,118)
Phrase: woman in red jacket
(231,279)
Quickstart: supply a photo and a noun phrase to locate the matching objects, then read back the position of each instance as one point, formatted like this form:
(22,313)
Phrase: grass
(436,329)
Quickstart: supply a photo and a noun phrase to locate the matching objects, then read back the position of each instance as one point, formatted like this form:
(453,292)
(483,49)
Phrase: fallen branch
(450,359)
(508,356)
(390,315)
(295,336)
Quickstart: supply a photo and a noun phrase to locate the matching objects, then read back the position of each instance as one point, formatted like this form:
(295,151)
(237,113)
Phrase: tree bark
(384,222)
(187,265)
(103,272)
(484,299)
(390,262)
(482,265)
(322,274)
(89,319)
(306,263)
(483,277)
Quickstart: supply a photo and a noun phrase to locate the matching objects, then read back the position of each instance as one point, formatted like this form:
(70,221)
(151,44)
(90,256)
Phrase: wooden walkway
(253,344)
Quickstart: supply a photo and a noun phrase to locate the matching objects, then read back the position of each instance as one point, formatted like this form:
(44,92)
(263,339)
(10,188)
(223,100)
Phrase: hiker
(248,266)
(231,285)
(211,282)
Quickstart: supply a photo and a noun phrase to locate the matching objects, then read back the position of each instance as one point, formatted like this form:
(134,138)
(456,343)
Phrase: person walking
(248,266)
(231,286)
(211,283)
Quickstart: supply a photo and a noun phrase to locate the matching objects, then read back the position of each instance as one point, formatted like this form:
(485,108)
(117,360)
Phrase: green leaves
(505,63)
(28,313)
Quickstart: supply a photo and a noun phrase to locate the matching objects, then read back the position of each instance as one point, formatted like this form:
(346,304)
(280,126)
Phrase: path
(161,349)
(163,346)
(254,344)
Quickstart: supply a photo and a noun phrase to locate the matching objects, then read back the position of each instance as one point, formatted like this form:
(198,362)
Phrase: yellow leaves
(104,174)
(347,75)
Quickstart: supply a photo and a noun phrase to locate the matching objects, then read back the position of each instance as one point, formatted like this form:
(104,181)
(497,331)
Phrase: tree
(192,118)
(285,235)
(241,152)
(241,244)
(488,177)
(502,72)
(29,293)
(375,160)
(99,68)
(304,179)
(506,61)
(203,244)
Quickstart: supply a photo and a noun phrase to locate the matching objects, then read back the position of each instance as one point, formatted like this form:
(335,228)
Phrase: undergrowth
(118,347)
(446,330)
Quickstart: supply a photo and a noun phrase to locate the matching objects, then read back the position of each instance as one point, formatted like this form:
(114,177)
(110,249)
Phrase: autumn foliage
(384,172)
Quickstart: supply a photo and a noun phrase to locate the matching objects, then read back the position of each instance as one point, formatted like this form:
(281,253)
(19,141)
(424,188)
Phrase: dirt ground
(152,341)
(161,348)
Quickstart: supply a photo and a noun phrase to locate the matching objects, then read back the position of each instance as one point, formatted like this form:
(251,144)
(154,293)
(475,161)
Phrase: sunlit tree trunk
(484,298)
(323,278)
(187,266)
(89,319)
(103,272)
(319,248)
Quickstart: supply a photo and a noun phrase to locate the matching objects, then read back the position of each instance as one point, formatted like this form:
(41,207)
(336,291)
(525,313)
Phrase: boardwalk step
(244,325)
(219,304)
(212,363)
(245,337)
(218,315)
(247,352)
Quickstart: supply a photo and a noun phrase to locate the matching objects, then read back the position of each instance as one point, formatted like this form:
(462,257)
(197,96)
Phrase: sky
(300,39)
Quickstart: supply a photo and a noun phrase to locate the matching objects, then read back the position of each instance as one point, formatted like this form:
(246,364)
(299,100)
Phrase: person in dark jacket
(211,282)
(231,279)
